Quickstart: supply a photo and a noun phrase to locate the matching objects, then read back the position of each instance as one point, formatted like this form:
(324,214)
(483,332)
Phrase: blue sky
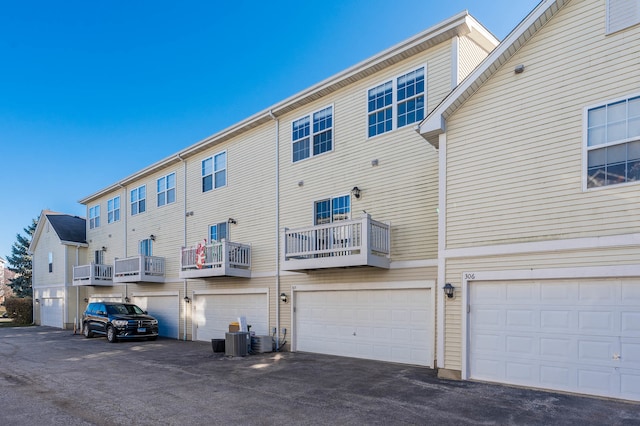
(93,91)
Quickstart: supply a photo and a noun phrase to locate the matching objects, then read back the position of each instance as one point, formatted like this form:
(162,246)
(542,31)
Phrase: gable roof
(462,24)
(435,123)
(71,230)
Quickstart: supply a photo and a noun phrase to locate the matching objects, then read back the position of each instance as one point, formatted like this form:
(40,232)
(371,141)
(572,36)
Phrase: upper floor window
(94,217)
(214,172)
(145,247)
(50,262)
(313,134)
(113,210)
(218,232)
(138,200)
(167,189)
(407,106)
(332,209)
(98,257)
(622,14)
(613,143)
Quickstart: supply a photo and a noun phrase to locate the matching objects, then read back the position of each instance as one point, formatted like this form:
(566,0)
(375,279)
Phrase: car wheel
(111,334)
(85,330)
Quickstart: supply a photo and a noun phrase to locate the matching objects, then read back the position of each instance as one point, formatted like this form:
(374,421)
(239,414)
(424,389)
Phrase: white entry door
(165,308)
(212,313)
(387,324)
(576,336)
(52,311)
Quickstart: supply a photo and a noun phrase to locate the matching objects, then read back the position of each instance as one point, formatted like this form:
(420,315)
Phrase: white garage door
(165,308)
(213,313)
(98,298)
(51,312)
(564,335)
(388,325)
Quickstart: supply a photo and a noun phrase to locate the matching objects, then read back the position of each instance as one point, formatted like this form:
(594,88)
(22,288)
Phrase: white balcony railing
(223,258)
(93,274)
(139,268)
(356,242)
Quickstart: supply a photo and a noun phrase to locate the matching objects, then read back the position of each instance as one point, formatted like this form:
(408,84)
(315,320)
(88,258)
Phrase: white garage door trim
(107,297)
(57,317)
(468,278)
(259,291)
(175,320)
(400,285)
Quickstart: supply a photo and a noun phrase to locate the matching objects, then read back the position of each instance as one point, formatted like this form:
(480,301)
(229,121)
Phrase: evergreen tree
(20,263)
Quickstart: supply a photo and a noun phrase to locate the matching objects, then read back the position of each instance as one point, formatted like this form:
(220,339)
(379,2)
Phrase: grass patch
(8,322)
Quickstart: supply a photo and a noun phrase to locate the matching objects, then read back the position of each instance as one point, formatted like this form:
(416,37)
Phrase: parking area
(50,376)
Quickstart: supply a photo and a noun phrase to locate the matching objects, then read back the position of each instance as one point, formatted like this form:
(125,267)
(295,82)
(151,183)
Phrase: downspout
(124,222)
(66,287)
(184,240)
(442,244)
(273,117)
(77,319)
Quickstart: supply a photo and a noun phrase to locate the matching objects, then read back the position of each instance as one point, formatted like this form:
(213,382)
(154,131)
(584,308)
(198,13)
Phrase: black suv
(118,321)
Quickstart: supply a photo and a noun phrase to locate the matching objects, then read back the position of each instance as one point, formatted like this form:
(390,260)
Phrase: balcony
(149,269)
(221,259)
(93,274)
(356,242)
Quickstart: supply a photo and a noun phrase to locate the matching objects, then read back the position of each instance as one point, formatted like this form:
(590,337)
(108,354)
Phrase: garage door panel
(214,312)
(571,336)
(166,309)
(51,312)
(390,325)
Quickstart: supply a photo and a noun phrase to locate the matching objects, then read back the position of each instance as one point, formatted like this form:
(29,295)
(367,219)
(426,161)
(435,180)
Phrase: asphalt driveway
(52,377)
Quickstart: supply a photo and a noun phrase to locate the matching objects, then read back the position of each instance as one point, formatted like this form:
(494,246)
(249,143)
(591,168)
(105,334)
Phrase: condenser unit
(261,344)
(236,344)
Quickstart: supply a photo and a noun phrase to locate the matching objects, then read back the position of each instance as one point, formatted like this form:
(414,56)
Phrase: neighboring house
(316,219)
(539,223)
(58,243)
(5,278)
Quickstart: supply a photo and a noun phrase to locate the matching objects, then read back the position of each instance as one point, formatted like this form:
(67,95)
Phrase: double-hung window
(312,135)
(138,200)
(166,189)
(214,172)
(613,143)
(113,210)
(94,217)
(397,103)
(332,210)
(218,232)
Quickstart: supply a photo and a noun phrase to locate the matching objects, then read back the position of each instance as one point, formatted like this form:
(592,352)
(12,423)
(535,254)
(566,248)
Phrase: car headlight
(120,323)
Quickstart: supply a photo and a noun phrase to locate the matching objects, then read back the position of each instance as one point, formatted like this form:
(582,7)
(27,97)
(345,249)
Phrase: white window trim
(119,209)
(629,22)
(333,133)
(213,171)
(138,201)
(585,148)
(394,101)
(92,219)
(165,190)
(209,240)
(331,197)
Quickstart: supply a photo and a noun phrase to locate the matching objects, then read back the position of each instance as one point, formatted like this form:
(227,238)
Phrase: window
(332,210)
(50,262)
(113,210)
(146,247)
(312,135)
(138,200)
(98,257)
(214,172)
(622,14)
(613,143)
(94,217)
(167,190)
(218,232)
(408,105)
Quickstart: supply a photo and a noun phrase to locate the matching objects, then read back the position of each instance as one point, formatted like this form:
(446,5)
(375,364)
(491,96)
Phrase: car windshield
(124,309)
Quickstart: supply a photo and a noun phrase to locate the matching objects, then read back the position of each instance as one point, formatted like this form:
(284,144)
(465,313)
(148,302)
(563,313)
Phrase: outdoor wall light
(86,300)
(37,300)
(232,221)
(187,300)
(283,298)
(152,237)
(448,290)
(356,192)
(126,299)
(104,248)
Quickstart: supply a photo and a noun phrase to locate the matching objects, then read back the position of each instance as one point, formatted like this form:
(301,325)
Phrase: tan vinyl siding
(531,261)
(514,150)
(49,243)
(471,54)
(109,235)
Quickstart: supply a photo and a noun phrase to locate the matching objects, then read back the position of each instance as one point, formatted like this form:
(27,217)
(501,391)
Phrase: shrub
(20,309)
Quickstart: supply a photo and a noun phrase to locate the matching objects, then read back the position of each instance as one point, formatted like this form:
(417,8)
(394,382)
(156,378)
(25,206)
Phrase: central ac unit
(236,344)
(261,344)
